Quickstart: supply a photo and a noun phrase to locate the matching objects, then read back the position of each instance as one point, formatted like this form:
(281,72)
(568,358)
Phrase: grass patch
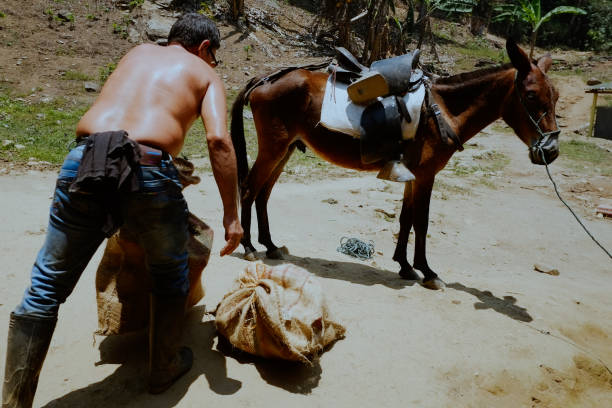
(474,50)
(583,155)
(487,163)
(76,76)
(446,189)
(41,131)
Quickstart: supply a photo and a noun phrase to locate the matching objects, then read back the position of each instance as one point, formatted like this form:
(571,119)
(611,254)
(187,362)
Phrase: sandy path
(500,335)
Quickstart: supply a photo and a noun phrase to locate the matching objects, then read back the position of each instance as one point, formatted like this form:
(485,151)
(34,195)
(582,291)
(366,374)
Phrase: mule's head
(531,108)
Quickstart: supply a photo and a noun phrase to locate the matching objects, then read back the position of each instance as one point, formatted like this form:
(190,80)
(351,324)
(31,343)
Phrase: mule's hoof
(434,284)
(277,253)
(251,256)
(409,274)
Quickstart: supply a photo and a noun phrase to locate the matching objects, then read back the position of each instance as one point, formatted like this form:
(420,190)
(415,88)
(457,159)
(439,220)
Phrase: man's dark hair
(193,28)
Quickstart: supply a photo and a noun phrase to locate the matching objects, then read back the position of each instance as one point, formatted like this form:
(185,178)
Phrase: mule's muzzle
(546,149)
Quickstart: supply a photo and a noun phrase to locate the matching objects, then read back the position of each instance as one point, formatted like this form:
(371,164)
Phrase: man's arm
(222,160)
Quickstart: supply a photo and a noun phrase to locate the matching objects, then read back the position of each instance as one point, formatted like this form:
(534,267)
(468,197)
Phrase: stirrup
(395,170)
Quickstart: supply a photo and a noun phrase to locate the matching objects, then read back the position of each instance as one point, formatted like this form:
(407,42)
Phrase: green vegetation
(121,28)
(583,155)
(76,76)
(2,15)
(445,188)
(105,71)
(530,12)
(135,3)
(41,131)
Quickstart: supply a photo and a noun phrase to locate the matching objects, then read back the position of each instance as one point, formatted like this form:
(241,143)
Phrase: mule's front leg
(406,270)
(422,197)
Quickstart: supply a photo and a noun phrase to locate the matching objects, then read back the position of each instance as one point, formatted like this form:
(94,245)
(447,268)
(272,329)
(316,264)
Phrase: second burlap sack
(277,312)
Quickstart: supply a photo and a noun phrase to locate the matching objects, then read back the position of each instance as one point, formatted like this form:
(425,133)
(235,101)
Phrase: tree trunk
(422,21)
(377,41)
(480,17)
(532,43)
(237,9)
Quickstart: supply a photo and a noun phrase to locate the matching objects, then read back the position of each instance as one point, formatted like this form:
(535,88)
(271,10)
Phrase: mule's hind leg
(406,270)
(272,151)
(261,205)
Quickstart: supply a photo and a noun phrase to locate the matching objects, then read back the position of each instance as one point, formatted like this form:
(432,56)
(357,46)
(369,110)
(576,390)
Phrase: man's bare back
(155,94)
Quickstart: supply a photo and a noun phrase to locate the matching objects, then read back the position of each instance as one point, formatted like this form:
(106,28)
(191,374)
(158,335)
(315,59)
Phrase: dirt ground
(500,335)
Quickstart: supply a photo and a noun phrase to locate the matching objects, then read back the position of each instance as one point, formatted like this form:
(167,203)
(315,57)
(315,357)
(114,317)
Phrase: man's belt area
(150,156)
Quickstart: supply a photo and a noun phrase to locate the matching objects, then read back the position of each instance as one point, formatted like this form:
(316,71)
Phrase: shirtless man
(121,174)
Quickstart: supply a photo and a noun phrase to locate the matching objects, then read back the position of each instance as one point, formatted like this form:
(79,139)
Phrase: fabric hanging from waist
(150,156)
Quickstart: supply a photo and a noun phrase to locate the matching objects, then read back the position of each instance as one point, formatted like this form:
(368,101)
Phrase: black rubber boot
(27,345)
(167,361)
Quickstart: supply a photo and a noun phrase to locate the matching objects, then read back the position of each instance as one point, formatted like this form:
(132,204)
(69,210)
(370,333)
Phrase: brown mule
(286,113)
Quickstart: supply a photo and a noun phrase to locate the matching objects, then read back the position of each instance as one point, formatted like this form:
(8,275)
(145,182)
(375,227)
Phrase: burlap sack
(123,283)
(277,312)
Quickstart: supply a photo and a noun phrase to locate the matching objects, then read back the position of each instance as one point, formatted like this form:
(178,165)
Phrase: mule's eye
(531,95)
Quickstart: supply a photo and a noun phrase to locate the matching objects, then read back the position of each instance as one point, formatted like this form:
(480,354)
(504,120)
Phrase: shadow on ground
(353,272)
(295,377)
(127,385)
(506,306)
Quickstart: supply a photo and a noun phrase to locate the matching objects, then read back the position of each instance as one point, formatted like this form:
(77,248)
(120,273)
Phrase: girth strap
(447,134)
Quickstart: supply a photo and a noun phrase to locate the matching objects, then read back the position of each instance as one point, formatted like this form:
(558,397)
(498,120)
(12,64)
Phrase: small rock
(546,269)
(330,201)
(247,114)
(65,15)
(91,86)
(7,142)
(19,147)
(593,81)
(456,302)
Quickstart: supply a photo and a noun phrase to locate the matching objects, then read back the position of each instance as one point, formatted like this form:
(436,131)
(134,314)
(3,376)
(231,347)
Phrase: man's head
(191,29)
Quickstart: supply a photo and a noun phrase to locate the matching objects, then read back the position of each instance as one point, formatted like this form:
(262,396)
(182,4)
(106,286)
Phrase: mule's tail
(237,131)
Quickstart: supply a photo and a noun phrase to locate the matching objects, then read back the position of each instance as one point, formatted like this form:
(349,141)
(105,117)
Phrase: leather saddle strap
(446,132)
(274,75)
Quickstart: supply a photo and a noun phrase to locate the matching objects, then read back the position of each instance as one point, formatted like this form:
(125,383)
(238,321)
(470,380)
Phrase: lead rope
(568,207)
(357,248)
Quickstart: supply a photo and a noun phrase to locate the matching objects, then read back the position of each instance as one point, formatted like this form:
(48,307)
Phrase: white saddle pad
(339,114)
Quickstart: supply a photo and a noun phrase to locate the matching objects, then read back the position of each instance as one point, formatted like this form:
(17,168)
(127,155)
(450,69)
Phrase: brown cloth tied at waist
(109,161)
(109,165)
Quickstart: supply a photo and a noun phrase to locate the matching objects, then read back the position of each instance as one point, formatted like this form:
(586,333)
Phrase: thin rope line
(568,207)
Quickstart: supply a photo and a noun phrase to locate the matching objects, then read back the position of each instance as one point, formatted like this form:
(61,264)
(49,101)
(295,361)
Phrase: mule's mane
(470,76)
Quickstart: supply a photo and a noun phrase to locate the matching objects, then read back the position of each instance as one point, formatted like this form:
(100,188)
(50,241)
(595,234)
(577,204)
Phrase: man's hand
(233,235)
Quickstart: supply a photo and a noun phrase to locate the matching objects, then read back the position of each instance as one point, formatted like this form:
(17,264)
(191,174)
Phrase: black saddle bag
(381,130)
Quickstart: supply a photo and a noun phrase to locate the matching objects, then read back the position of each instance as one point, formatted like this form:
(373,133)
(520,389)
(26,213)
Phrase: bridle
(544,136)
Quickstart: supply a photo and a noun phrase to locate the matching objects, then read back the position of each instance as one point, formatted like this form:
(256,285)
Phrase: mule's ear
(518,57)
(545,62)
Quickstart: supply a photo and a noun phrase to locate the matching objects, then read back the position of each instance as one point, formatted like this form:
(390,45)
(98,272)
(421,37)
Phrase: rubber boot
(167,361)
(27,345)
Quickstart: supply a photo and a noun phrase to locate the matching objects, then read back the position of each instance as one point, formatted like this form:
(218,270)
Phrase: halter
(544,136)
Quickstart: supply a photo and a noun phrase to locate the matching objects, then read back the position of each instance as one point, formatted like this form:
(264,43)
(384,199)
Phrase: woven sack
(123,282)
(277,312)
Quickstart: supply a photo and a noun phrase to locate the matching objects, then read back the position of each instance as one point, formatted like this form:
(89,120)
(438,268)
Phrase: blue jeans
(156,214)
